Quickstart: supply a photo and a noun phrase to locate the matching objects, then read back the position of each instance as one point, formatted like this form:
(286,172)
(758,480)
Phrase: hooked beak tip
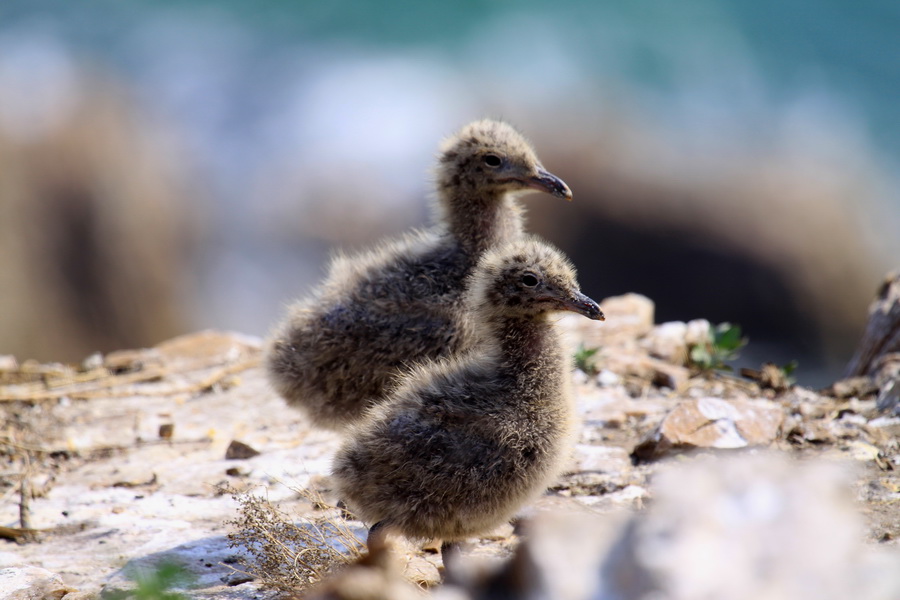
(550,183)
(586,307)
(596,314)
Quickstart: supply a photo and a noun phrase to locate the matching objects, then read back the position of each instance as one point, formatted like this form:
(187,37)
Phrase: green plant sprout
(584,359)
(788,372)
(156,584)
(724,344)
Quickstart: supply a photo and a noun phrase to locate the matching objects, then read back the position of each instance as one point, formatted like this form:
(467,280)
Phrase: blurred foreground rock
(742,527)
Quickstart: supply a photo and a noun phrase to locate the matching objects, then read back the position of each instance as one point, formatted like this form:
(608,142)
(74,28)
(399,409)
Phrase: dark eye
(529,279)
(492,160)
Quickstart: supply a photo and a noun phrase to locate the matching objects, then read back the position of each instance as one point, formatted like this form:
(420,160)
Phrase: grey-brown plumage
(339,351)
(465,441)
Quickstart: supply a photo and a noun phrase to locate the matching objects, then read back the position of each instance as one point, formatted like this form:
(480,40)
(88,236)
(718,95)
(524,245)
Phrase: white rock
(667,341)
(607,378)
(697,332)
(31,583)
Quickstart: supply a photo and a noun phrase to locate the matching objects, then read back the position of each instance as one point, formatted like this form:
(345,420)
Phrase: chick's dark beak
(550,183)
(583,305)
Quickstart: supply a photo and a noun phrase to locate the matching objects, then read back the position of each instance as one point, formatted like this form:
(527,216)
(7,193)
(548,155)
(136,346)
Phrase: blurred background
(172,165)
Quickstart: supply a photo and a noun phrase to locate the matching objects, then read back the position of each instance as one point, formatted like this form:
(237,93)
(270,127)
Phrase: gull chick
(467,440)
(339,351)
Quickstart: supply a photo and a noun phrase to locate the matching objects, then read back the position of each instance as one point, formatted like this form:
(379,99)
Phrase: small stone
(128,361)
(8,363)
(579,377)
(697,332)
(668,375)
(237,578)
(166,430)
(861,451)
(770,376)
(421,572)
(94,361)
(239,450)
(815,432)
(885,421)
(607,378)
(853,386)
(602,459)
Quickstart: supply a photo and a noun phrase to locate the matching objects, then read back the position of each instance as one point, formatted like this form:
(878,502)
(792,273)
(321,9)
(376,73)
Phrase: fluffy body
(467,440)
(340,351)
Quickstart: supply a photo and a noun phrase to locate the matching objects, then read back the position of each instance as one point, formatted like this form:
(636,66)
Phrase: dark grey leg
(377,536)
(345,511)
(450,554)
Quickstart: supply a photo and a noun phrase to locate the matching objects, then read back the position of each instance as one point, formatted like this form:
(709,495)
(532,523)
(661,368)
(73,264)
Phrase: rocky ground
(129,459)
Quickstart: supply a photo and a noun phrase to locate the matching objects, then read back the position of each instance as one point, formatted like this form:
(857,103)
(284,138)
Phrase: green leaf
(700,356)
(584,359)
(725,341)
(728,337)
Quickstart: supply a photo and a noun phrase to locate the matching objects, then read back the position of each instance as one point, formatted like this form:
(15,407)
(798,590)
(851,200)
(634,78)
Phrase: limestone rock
(713,423)
(647,368)
(31,583)
(628,317)
(672,341)
(601,459)
(631,313)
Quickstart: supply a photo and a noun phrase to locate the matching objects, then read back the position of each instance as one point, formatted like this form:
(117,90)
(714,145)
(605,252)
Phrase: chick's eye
(492,160)
(529,279)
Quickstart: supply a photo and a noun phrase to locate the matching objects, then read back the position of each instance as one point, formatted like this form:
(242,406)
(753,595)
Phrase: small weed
(724,344)
(788,372)
(156,584)
(771,376)
(288,556)
(584,359)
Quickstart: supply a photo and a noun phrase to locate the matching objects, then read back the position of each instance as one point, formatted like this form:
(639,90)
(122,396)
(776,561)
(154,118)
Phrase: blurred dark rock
(94,225)
(878,353)
(881,339)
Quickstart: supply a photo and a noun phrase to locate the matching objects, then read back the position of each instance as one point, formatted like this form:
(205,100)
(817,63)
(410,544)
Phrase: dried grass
(290,554)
